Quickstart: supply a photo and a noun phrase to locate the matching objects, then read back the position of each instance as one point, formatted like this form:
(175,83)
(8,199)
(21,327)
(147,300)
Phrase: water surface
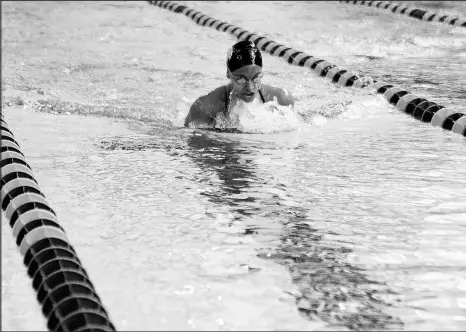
(354,220)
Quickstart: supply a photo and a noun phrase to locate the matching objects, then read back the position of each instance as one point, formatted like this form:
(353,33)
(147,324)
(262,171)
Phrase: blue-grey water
(352,219)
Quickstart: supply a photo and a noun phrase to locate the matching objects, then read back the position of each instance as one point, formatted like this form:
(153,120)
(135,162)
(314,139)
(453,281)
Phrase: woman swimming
(244,69)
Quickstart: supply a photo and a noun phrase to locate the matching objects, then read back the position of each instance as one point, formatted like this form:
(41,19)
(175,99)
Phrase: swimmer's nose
(250,87)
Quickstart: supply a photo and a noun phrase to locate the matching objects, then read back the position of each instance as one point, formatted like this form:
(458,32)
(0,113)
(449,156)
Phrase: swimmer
(244,69)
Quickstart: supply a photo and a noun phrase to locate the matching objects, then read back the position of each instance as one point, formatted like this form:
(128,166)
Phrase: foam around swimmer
(256,117)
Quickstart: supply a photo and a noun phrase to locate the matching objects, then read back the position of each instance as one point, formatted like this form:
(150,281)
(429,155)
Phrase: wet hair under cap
(242,54)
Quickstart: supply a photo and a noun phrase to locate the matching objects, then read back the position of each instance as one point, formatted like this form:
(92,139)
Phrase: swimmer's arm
(198,114)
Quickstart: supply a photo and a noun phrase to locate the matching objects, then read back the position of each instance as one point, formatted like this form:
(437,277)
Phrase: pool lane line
(418,107)
(417,13)
(67,296)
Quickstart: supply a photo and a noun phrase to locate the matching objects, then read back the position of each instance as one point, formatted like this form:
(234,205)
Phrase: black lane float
(416,13)
(67,296)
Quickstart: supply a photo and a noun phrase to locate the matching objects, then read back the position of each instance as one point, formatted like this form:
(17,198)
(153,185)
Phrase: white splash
(257,117)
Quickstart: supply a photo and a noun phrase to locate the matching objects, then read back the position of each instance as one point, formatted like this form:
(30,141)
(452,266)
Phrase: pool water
(350,216)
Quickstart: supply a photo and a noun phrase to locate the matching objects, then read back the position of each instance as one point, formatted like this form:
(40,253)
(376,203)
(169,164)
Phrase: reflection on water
(227,160)
(331,289)
(368,211)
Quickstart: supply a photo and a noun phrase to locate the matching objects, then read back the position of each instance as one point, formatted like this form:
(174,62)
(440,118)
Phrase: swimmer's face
(246,82)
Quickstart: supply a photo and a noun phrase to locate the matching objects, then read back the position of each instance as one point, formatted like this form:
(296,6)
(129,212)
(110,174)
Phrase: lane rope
(418,107)
(416,13)
(67,296)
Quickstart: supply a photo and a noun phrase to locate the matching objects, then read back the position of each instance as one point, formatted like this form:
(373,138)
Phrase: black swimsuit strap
(225,111)
(262,97)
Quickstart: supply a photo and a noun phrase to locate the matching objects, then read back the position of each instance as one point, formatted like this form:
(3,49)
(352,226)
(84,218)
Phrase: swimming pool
(353,221)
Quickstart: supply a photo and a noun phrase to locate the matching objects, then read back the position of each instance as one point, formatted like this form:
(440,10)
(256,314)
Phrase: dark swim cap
(242,54)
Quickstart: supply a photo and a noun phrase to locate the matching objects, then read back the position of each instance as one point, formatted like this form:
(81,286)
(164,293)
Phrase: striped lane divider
(419,14)
(67,296)
(437,115)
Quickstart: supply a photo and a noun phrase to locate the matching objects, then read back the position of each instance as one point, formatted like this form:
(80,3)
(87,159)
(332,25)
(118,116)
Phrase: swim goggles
(243,81)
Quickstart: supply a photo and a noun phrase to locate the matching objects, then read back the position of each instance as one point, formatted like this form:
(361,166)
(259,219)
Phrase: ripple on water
(351,220)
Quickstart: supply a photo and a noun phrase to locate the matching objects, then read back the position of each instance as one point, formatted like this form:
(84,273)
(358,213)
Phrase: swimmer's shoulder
(283,96)
(214,101)
(217,95)
(206,107)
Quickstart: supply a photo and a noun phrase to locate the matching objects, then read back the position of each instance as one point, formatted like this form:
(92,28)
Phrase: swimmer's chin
(247,99)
